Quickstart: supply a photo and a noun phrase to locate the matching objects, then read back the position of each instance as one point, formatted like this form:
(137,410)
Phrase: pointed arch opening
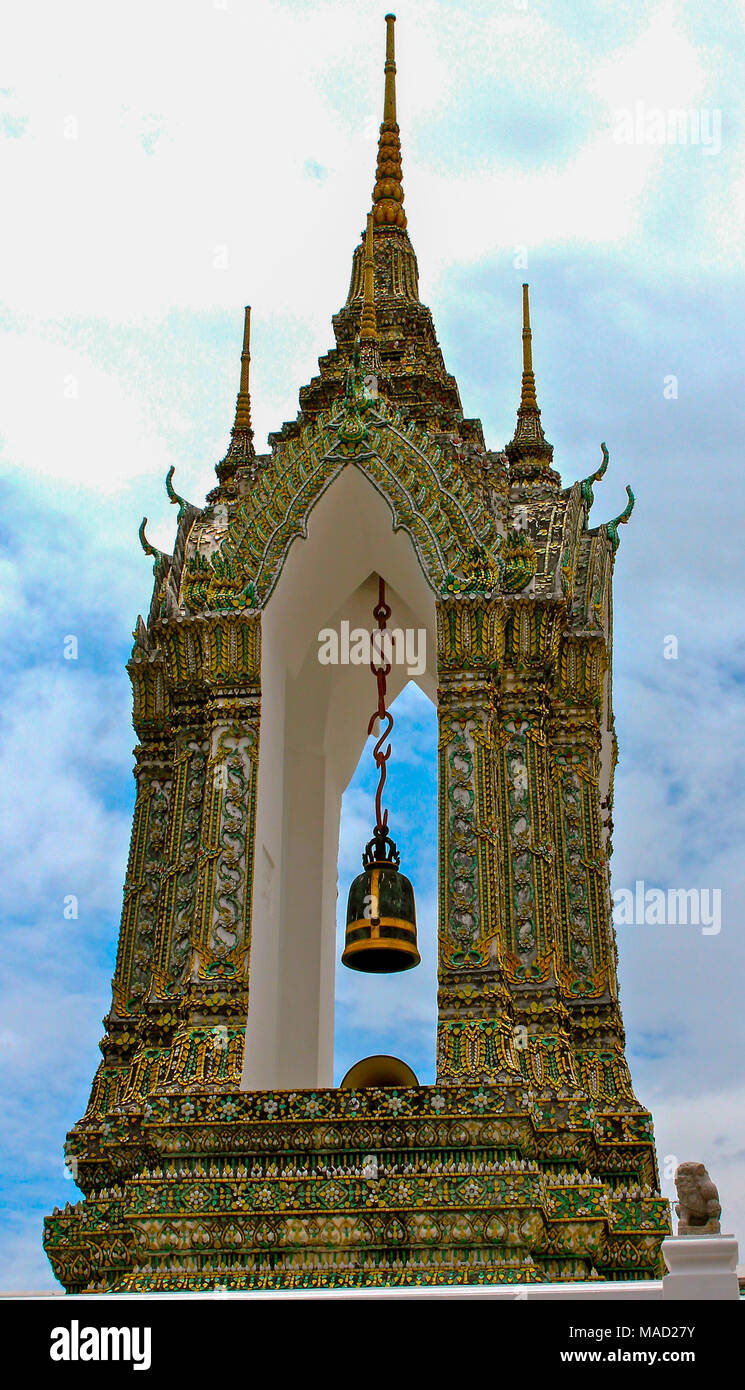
(313,733)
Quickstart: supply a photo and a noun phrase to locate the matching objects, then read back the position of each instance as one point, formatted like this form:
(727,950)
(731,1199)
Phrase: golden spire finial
(368,321)
(389,105)
(241,450)
(388,193)
(528,446)
(527,393)
(243,403)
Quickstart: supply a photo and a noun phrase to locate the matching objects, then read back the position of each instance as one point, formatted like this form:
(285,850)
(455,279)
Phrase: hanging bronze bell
(381,916)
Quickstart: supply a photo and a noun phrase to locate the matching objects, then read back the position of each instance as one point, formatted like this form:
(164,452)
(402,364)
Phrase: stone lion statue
(698,1209)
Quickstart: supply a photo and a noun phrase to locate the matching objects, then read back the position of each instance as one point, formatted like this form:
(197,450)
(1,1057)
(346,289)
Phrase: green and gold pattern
(312,1189)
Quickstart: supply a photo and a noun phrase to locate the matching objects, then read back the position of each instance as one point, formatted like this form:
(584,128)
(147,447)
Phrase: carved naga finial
(611,527)
(161,560)
(144,542)
(586,484)
(179,502)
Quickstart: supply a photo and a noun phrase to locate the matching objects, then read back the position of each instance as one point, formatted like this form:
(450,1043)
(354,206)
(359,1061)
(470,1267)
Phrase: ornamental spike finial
(241,450)
(368,321)
(243,402)
(527,391)
(388,193)
(389,105)
(528,449)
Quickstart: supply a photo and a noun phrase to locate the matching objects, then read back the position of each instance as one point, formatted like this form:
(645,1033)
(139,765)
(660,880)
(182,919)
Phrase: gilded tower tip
(241,450)
(527,391)
(243,402)
(528,447)
(389,104)
(388,193)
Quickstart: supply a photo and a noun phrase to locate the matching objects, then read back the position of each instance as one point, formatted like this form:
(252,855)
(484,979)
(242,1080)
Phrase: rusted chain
(381,613)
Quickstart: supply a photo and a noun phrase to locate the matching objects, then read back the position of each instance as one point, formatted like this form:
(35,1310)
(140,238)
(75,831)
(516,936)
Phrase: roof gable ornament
(611,527)
(175,498)
(586,484)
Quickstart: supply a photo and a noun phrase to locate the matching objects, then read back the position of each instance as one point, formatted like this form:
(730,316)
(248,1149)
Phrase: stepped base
(330,1188)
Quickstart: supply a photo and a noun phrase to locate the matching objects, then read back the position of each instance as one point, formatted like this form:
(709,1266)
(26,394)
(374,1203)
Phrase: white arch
(313,728)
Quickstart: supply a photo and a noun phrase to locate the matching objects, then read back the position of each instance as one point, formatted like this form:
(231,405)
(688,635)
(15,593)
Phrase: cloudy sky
(167,162)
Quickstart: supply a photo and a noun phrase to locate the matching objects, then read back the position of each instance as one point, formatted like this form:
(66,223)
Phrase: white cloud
(709,1128)
(660,65)
(61,732)
(66,417)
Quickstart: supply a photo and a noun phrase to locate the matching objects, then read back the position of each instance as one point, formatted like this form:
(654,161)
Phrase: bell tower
(215,1151)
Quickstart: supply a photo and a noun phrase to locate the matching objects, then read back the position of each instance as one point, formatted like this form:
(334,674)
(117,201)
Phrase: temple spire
(396,273)
(243,402)
(241,450)
(528,447)
(388,193)
(389,105)
(527,392)
(368,322)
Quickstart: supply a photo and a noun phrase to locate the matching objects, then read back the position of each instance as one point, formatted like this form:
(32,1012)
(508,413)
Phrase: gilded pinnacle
(388,193)
(241,450)
(389,105)
(528,444)
(243,402)
(368,323)
(527,394)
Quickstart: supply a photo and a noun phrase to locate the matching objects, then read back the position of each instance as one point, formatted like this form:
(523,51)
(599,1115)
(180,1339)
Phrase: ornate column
(475,1040)
(148,852)
(587,951)
(209,1044)
(179,874)
(528,855)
